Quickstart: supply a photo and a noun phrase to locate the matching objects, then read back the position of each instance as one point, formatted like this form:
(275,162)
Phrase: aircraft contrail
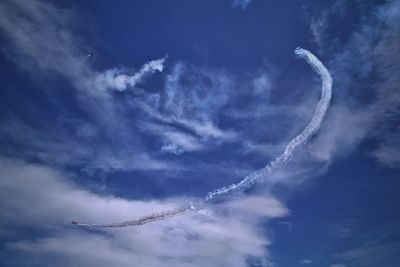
(263,173)
(142,220)
(310,129)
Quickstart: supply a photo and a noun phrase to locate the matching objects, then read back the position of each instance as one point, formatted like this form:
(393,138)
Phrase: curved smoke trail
(310,129)
(263,173)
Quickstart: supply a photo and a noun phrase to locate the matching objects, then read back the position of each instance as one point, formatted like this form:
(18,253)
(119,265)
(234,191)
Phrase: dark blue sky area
(202,32)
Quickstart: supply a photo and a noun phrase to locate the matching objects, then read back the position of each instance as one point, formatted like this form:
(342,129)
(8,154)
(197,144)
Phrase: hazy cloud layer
(368,53)
(193,239)
(43,41)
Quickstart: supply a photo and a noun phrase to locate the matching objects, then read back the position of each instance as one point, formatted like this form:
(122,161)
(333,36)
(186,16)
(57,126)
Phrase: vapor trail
(143,220)
(263,173)
(117,80)
(310,129)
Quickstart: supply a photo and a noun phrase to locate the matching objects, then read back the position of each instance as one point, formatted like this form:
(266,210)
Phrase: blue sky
(113,110)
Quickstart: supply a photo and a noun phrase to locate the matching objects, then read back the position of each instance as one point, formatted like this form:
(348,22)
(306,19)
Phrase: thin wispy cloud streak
(264,173)
(118,80)
(364,68)
(42,40)
(200,236)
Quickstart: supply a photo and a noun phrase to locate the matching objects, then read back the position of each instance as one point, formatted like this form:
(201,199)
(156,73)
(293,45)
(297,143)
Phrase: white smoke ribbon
(310,129)
(265,172)
(115,79)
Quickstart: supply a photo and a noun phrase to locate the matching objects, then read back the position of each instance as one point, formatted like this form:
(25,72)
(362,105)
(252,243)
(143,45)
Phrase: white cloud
(368,56)
(261,206)
(189,106)
(73,145)
(193,239)
(318,27)
(118,79)
(343,129)
(388,154)
(320,24)
(387,67)
(196,94)
(305,261)
(178,142)
(262,83)
(42,40)
(243,4)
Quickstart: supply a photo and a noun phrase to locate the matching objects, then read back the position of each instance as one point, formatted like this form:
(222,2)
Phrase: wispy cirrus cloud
(177,143)
(354,64)
(42,40)
(189,103)
(377,247)
(305,261)
(196,239)
(118,79)
(243,4)
(191,97)
(320,24)
(75,144)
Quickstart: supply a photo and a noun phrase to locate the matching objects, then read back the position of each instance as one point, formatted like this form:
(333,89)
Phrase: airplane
(74,222)
(89,55)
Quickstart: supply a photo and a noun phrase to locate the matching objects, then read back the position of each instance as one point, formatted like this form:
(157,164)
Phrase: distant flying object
(89,55)
(74,222)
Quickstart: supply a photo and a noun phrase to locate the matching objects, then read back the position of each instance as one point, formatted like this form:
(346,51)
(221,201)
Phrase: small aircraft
(74,222)
(89,55)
